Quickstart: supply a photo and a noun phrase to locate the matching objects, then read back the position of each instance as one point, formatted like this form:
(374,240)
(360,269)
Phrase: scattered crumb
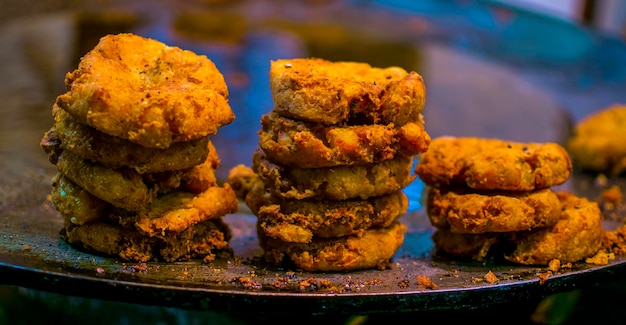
(543,276)
(247,283)
(209,258)
(426,282)
(325,283)
(309,284)
(601,180)
(554,265)
(611,197)
(615,241)
(404,284)
(601,258)
(491,277)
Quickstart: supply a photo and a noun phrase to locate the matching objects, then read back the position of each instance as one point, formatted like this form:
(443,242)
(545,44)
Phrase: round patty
(144,91)
(334,183)
(494,164)
(325,92)
(373,249)
(309,145)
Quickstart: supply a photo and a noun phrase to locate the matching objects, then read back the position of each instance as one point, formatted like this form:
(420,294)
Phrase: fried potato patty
(124,187)
(373,249)
(461,211)
(596,144)
(334,183)
(202,240)
(476,247)
(321,91)
(577,235)
(169,214)
(144,91)
(96,146)
(302,220)
(306,145)
(493,164)
(176,211)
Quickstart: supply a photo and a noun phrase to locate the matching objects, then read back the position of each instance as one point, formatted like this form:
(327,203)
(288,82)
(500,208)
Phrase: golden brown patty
(373,249)
(576,236)
(202,240)
(493,164)
(169,213)
(461,211)
(144,91)
(302,220)
(114,152)
(597,145)
(334,183)
(307,145)
(475,247)
(176,211)
(321,91)
(124,187)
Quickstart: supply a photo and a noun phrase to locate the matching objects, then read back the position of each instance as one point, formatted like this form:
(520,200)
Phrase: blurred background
(518,69)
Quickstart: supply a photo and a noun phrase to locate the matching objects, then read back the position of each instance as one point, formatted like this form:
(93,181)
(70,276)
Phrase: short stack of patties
(491,198)
(334,156)
(136,168)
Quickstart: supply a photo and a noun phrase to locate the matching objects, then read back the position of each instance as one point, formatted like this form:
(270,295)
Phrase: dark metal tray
(479,83)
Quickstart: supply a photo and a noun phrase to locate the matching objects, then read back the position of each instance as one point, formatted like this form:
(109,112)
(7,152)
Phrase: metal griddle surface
(496,94)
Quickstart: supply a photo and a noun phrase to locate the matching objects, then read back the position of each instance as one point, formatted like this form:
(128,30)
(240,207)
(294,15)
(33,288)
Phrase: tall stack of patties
(334,155)
(494,198)
(136,167)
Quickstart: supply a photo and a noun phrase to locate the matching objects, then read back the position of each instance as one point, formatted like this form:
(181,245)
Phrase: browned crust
(494,164)
(577,235)
(125,187)
(334,183)
(306,145)
(115,152)
(321,91)
(475,247)
(461,211)
(176,211)
(169,214)
(302,220)
(149,93)
(202,240)
(372,250)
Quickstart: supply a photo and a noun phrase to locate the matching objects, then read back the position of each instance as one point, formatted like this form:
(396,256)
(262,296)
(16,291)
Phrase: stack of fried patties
(491,198)
(131,143)
(334,155)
